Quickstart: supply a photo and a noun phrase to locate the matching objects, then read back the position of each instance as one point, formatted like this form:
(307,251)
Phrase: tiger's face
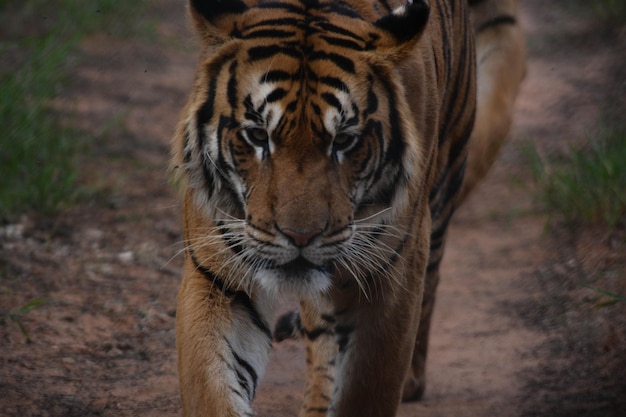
(296,147)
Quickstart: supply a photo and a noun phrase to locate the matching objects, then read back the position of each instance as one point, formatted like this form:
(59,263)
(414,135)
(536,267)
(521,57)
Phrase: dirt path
(103,344)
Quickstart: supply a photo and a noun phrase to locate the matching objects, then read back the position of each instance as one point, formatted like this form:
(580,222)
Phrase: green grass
(40,42)
(606,298)
(588,186)
(16,315)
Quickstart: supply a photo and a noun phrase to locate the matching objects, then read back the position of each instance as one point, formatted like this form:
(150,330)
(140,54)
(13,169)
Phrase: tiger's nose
(301,239)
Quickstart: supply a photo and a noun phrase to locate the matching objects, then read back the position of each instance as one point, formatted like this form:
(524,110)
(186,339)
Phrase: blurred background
(531,318)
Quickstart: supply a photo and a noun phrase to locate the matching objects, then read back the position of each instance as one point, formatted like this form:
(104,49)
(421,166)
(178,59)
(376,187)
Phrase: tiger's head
(296,143)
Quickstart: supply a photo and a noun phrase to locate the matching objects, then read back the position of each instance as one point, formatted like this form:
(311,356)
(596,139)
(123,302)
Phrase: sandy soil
(514,333)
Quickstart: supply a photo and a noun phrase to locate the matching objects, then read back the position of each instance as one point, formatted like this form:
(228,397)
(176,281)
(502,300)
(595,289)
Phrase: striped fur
(501,67)
(322,150)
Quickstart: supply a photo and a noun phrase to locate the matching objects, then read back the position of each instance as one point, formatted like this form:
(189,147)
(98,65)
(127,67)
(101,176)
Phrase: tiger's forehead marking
(338,112)
(269,112)
(309,98)
(269,109)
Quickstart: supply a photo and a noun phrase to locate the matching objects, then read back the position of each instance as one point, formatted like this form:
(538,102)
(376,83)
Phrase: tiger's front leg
(318,327)
(223,343)
(375,341)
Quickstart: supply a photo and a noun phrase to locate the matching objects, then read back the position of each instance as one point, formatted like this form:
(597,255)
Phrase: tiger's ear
(214,19)
(404,25)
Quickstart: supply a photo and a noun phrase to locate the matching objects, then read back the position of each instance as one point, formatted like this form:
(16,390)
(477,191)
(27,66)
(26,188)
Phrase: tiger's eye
(257,136)
(343,141)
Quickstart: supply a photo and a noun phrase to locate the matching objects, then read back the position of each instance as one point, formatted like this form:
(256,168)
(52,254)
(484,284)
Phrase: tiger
(322,154)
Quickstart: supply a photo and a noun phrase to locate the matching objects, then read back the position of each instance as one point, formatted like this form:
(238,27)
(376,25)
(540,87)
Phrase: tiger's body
(323,150)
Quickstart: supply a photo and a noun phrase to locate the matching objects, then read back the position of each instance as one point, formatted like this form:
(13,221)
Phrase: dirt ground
(514,332)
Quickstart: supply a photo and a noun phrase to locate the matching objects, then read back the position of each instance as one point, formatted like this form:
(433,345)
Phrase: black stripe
(464,138)
(392,155)
(467,66)
(453,7)
(210,276)
(276,76)
(205,113)
(444,196)
(283,21)
(288,326)
(450,182)
(314,106)
(231,91)
(212,10)
(435,245)
(252,113)
(269,33)
(335,83)
(207,169)
(496,21)
(282,6)
(223,167)
(343,336)
(239,393)
(243,383)
(258,53)
(456,181)
(331,100)
(341,9)
(331,28)
(354,120)
(328,318)
(439,197)
(434,54)
(396,147)
(372,99)
(276,95)
(433,265)
(451,111)
(437,235)
(343,43)
(231,242)
(372,129)
(244,300)
(250,370)
(447,61)
(317,332)
(238,297)
(293,105)
(341,61)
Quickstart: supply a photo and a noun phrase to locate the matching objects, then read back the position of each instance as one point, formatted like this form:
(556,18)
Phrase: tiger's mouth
(299,267)
(299,276)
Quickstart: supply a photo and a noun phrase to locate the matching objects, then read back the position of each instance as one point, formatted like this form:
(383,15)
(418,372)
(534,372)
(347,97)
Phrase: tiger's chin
(298,277)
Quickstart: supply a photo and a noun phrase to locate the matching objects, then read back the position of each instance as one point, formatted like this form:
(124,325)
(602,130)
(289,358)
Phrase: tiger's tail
(501,67)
